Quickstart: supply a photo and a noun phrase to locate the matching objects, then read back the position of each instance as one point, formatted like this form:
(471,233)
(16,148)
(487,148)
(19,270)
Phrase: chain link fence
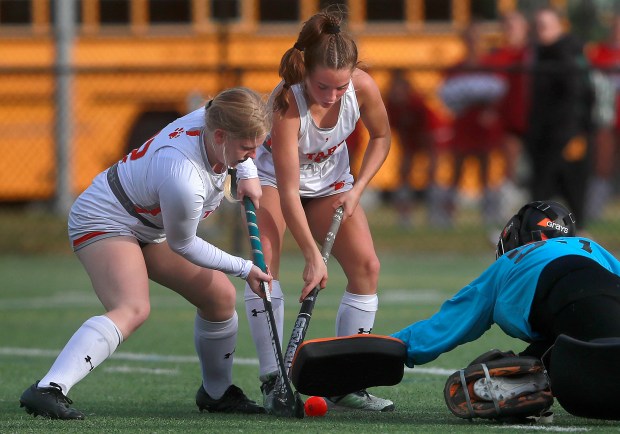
(115,108)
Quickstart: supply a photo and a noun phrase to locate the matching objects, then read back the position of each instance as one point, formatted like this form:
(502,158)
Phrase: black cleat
(233,401)
(48,402)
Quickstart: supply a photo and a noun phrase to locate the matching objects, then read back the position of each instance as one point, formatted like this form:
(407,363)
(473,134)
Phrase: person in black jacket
(558,140)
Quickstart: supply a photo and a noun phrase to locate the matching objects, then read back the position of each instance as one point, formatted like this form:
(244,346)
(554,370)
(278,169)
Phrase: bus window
(225,10)
(279,10)
(170,11)
(484,9)
(114,12)
(385,10)
(15,11)
(438,10)
(325,3)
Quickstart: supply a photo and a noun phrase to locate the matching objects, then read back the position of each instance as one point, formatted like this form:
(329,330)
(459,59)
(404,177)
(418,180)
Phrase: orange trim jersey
(171,185)
(323,156)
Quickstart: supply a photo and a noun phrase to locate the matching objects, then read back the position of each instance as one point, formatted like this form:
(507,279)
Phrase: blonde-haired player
(138,221)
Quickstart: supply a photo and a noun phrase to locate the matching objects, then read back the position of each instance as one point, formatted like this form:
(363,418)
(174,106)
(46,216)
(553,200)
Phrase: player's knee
(268,247)
(364,277)
(219,304)
(130,317)
(138,313)
(227,299)
(371,267)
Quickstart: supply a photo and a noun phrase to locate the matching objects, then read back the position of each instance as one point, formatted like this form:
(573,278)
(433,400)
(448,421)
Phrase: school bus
(138,64)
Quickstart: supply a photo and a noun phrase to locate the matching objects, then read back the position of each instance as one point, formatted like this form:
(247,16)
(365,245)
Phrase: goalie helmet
(536,221)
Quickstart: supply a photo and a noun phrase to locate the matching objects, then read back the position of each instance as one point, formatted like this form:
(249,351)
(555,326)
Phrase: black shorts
(578,297)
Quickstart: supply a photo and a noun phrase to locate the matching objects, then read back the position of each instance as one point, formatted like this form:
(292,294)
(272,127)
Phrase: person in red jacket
(418,128)
(473,93)
(511,59)
(605,56)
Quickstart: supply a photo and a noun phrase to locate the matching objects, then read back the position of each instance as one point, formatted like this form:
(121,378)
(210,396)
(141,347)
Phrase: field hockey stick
(307,306)
(286,401)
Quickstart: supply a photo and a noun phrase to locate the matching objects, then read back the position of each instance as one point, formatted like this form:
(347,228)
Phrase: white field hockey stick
(287,402)
(307,306)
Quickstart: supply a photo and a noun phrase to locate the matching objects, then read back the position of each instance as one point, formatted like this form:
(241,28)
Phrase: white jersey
(323,156)
(159,192)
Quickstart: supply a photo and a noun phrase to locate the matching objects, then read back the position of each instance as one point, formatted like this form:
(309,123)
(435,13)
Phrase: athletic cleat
(267,387)
(361,400)
(233,401)
(502,388)
(48,402)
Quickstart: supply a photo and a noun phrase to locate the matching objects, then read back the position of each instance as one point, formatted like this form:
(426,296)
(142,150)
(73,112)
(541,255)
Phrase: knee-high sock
(257,318)
(356,314)
(215,344)
(90,345)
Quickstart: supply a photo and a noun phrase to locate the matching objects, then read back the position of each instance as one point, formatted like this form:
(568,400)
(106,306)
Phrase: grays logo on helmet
(536,221)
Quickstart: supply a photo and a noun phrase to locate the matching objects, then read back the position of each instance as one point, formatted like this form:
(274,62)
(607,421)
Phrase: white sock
(356,314)
(257,318)
(215,344)
(90,345)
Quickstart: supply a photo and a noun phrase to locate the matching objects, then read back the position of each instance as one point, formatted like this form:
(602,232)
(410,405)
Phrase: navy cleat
(48,402)
(233,401)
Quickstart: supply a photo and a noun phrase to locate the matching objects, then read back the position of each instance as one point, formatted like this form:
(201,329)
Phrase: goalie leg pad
(533,399)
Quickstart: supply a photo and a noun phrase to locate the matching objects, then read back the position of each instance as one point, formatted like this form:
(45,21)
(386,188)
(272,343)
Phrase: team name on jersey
(320,156)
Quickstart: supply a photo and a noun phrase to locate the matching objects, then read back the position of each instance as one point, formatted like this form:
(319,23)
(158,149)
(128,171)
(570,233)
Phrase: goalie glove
(499,385)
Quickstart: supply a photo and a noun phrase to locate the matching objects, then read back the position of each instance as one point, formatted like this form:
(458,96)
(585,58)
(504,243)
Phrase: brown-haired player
(304,171)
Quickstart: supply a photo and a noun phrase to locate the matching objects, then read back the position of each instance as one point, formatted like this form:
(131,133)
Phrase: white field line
(131,370)
(140,357)
(88,299)
(543,428)
(431,371)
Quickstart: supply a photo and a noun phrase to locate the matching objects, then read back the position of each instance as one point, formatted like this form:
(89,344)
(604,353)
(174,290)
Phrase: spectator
(512,58)
(606,57)
(558,138)
(473,94)
(416,125)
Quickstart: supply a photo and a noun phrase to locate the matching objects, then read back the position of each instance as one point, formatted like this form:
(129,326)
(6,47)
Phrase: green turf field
(149,384)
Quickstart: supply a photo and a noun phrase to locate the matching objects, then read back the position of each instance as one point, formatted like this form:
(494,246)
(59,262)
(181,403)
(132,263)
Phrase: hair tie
(209,104)
(298,46)
(331,28)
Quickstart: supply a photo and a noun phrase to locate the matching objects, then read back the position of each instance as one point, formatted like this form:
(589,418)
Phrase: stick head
(283,402)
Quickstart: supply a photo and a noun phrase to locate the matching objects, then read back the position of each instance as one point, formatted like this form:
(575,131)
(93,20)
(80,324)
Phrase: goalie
(558,292)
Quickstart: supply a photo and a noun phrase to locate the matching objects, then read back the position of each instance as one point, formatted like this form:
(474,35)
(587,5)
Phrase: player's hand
(251,188)
(255,278)
(348,201)
(315,273)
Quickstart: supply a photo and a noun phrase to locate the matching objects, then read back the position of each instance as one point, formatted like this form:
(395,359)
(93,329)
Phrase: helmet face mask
(509,237)
(536,221)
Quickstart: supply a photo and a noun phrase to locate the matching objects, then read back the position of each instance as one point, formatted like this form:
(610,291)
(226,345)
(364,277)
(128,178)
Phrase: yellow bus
(137,64)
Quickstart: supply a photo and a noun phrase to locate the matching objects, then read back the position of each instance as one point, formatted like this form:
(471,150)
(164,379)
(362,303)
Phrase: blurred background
(82,82)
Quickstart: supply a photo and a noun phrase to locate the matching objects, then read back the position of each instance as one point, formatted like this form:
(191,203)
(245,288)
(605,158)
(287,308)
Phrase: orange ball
(315,406)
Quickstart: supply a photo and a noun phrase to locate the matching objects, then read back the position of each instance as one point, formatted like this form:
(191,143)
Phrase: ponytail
(320,43)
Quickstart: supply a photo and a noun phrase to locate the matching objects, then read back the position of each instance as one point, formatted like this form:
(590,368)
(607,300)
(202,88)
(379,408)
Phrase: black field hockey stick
(307,306)
(287,402)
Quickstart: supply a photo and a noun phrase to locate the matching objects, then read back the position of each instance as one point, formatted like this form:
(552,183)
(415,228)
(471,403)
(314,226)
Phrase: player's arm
(463,318)
(375,119)
(284,147)
(181,198)
(248,183)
